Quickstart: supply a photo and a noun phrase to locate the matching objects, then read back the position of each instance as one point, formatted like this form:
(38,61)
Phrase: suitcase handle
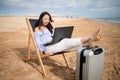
(97,51)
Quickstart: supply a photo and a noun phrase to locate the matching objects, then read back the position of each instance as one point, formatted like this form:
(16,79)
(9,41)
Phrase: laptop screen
(61,33)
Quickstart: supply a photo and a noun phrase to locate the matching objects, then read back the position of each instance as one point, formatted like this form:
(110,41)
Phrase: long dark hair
(39,22)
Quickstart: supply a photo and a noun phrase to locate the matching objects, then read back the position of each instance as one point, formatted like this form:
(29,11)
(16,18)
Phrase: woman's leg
(71,44)
(64,45)
(86,41)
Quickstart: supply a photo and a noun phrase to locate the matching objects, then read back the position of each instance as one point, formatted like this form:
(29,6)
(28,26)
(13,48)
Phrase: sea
(109,19)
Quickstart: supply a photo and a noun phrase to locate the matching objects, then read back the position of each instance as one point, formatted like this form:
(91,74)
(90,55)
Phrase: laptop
(61,33)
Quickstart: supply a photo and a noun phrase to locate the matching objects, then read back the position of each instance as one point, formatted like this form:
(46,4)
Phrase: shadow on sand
(54,66)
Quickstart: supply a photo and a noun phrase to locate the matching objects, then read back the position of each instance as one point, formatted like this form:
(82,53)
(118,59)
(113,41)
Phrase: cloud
(105,5)
(13,3)
(61,7)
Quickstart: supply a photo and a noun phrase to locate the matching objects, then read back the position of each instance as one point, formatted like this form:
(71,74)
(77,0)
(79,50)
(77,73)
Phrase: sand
(13,48)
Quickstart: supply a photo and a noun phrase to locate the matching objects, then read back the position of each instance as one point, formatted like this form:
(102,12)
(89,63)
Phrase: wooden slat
(36,49)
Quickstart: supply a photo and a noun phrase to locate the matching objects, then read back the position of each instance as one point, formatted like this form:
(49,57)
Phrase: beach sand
(13,48)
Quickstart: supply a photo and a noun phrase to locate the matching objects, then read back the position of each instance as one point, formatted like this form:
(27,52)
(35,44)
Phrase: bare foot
(96,36)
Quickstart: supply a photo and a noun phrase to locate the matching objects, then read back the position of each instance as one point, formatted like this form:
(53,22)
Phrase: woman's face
(45,19)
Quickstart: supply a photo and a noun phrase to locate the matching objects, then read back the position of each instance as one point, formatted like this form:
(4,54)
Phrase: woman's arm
(36,29)
(53,31)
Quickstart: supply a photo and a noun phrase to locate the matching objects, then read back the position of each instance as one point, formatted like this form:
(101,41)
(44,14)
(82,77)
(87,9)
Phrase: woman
(44,31)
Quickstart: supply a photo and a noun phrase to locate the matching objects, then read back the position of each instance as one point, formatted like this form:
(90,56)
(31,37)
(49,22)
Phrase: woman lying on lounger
(44,31)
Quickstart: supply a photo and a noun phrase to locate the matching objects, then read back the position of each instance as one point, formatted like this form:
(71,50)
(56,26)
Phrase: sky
(74,8)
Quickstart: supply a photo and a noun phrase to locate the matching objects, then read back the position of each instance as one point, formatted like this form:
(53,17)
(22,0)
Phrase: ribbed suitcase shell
(89,66)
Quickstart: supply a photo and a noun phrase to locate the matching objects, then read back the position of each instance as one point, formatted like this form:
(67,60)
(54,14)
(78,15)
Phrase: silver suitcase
(90,63)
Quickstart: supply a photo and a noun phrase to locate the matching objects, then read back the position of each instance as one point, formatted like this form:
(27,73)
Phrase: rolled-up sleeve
(40,45)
